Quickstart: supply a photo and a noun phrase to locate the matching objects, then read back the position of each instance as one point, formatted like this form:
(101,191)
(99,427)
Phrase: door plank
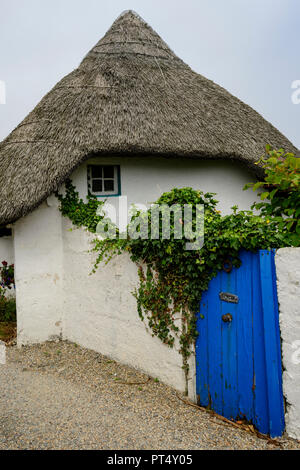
(229,347)
(261,411)
(273,366)
(202,358)
(245,336)
(215,373)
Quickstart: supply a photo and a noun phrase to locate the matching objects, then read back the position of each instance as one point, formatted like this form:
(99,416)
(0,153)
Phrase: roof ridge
(132,12)
(131,34)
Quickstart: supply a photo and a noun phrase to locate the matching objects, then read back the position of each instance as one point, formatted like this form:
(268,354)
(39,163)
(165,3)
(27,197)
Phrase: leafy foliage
(280,194)
(7,280)
(7,309)
(172,279)
(80,213)
(7,305)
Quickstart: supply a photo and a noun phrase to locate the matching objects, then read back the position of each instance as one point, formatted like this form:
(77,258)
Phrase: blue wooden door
(238,354)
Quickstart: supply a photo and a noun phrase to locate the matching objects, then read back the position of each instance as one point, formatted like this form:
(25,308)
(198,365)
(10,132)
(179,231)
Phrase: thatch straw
(131,95)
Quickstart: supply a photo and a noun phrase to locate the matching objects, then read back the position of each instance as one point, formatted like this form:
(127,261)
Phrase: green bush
(280,192)
(7,309)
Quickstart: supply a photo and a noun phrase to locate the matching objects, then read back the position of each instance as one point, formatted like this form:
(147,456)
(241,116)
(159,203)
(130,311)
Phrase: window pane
(97,186)
(96,171)
(109,185)
(108,171)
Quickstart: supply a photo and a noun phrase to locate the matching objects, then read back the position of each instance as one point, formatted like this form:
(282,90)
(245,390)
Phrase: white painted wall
(288,286)
(6,249)
(56,294)
(100,313)
(143,180)
(38,274)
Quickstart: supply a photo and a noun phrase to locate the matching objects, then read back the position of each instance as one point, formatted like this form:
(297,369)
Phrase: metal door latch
(227,317)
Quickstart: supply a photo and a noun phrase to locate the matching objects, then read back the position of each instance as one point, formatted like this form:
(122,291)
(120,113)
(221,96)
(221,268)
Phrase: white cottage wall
(7,249)
(143,180)
(56,293)
(288,285)
(100,313)
(38,274)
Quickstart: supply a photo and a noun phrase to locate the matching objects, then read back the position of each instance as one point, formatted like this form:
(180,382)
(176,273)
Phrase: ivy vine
(171,278)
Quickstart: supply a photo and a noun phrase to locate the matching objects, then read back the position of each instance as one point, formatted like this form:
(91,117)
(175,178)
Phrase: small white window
(104,180)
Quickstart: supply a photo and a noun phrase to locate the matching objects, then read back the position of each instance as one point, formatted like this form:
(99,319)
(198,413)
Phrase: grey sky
(250,47)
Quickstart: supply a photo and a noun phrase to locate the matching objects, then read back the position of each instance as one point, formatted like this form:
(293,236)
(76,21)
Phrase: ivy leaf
(264,195)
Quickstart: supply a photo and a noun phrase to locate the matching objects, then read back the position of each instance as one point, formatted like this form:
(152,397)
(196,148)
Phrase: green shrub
(7,309)
(280,193)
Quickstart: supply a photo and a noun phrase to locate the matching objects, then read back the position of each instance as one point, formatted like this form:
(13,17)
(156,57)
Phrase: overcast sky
(250,47)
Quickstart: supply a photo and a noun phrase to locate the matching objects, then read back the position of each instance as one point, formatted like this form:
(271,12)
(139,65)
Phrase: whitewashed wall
(56,295)
(38,274)
(143,180)
(6,249)
(100,313)
(288,286)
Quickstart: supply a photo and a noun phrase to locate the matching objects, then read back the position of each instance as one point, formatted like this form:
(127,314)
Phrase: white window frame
(116,179)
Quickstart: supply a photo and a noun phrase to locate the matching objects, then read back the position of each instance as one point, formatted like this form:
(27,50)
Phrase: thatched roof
(131,95)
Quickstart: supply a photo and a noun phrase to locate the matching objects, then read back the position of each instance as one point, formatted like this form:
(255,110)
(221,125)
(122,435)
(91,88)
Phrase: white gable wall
(55,293)
(38,274)
(6,249)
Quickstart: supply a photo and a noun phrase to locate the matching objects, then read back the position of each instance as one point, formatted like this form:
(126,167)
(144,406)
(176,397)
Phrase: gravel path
(61,396)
